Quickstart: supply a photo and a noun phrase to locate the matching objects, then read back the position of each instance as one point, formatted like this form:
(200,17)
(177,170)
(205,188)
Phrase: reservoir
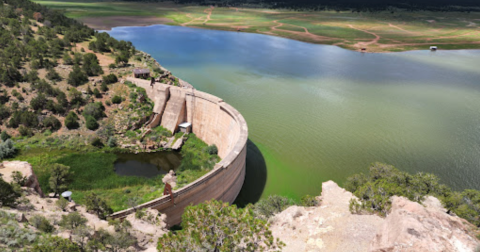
(319,113)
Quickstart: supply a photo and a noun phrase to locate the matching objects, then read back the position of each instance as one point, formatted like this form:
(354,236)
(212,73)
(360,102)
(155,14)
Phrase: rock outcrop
(328,227)
(7,168)
(413,227)
(409,227)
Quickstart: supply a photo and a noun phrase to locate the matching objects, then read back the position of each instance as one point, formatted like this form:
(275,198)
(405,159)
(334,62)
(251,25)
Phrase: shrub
(212,149)
(59,178)
(77,77)
(72,221)
(53,75)
(266,208)
(116,99)
(18,178)
(25,131)
(91,65)
(52,123)
(8,195)
(112,142)
(71,121)
(221,226)
(7,149)
(95,110)
(97,205)
(104,87)
(375,189)
(308,201)
(109,79)
(4,136)
(41,223)
(97,93)
(97,142)
(56,244)
(62,203)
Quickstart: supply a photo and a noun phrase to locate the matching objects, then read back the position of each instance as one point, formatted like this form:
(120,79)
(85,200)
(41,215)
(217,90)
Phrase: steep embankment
(409,226)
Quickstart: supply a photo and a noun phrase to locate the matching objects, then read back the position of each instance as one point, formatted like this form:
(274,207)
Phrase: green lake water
(318,113)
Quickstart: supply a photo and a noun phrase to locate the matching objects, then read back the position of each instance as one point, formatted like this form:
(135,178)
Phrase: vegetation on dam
(377,31)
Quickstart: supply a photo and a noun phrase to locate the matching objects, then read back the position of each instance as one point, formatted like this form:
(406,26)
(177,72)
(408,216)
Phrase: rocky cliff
(408,227)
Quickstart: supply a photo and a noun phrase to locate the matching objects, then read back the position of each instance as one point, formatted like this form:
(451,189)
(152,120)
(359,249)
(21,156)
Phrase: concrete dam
(213,121)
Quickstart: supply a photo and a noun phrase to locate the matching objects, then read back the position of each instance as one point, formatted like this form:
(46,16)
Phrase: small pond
(147,164)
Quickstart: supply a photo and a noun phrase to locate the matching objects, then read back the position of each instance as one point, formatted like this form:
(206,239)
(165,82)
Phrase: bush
(18,178)
(7,149)
(24,131)
(308,201)
(71,121)
(97,205)
(91,65)
(95,110)
(91,123)
(109,79)
(112,142)
(221,226)
(266,208)
(59,178)
(97,93)
(52,123)
(375,189)
(97,142)
(116,99)
(212,149)
(77,77)
(72,221)
(4,136)
(53,75)
(56,244)
(62,203)
(8,195)
(41,223)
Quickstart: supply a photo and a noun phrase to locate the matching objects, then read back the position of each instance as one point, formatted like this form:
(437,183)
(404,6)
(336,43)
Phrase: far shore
(109,22)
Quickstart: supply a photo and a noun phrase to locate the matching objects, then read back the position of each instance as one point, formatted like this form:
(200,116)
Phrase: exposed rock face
(328,227)
(413,227)
(410,227)
(8,167)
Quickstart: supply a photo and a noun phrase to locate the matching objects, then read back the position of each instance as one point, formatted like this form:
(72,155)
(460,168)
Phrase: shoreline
(308,42)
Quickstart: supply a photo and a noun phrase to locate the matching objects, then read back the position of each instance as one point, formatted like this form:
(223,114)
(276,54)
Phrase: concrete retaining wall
(215,122)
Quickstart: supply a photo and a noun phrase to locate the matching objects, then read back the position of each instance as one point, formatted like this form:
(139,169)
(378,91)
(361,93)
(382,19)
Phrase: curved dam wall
(213,121)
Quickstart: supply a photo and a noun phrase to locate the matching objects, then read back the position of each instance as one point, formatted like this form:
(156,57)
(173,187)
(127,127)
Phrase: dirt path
(207,11)
(306,33)
(364,44)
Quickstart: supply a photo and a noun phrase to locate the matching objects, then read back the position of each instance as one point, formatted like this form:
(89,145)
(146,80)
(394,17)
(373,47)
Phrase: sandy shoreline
(107,23)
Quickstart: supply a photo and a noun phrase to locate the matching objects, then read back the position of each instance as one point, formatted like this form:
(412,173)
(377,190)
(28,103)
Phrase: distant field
(377,32)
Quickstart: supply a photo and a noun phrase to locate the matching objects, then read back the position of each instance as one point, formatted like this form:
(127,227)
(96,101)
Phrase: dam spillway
(213,121)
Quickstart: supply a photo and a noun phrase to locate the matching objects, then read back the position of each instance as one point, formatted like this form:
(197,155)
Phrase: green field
(375,31)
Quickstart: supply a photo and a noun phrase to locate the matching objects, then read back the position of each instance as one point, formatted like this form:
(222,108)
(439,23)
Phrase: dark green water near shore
(318,113)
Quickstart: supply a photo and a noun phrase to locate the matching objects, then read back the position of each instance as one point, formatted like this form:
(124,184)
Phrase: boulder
(412,227)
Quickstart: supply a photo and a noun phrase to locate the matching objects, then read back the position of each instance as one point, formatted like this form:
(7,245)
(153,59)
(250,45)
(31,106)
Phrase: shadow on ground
(255,178)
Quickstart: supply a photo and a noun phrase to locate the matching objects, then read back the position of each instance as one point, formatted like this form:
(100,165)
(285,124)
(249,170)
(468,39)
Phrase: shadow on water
(255,178)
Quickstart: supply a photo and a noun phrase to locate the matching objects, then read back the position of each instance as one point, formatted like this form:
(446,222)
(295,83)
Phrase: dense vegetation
(217,226)
(375,189)
(34,39)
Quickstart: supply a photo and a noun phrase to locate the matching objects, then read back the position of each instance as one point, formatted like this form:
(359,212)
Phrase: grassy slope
(399,31)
